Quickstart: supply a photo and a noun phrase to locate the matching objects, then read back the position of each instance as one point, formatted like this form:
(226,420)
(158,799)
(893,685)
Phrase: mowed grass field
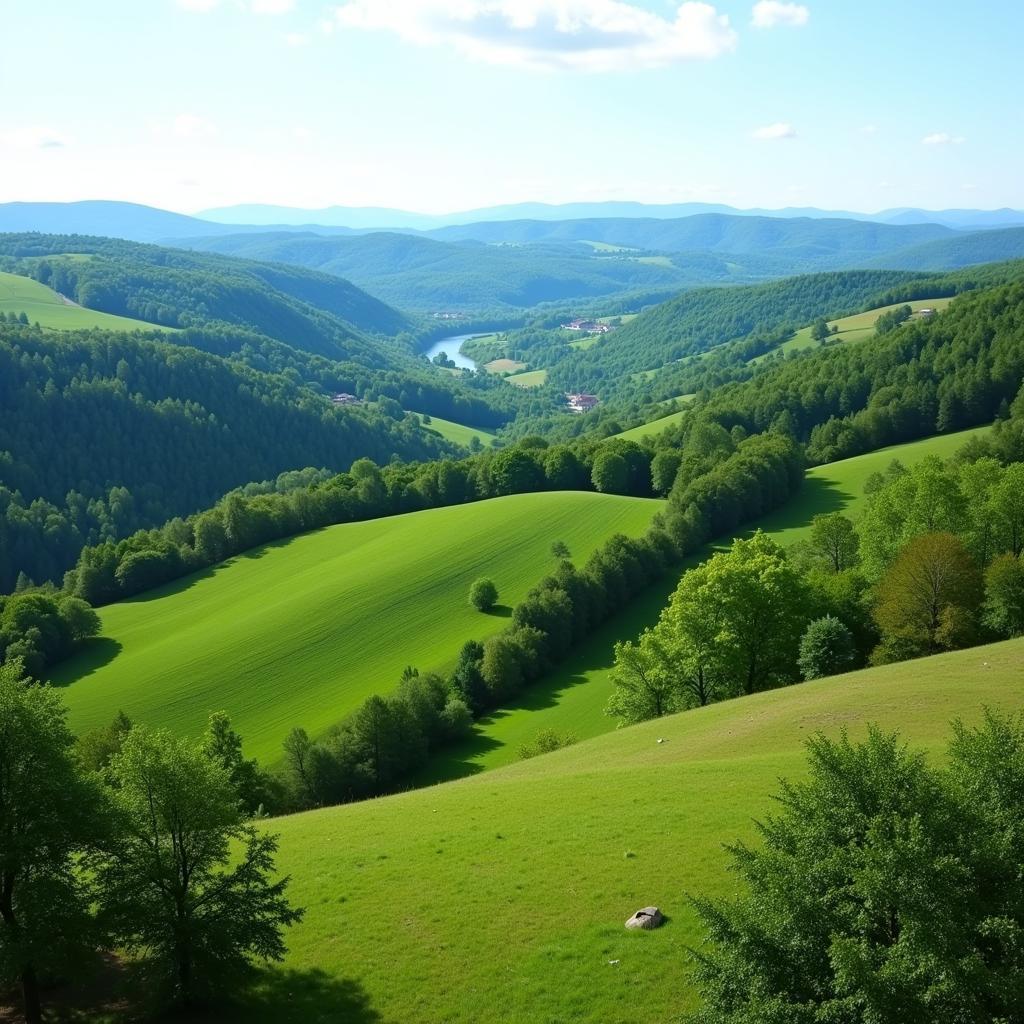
(44,306)
(529,379)
(302,631)
(459,433)
(658,425)
(858,327)
(572,699)
(500,899)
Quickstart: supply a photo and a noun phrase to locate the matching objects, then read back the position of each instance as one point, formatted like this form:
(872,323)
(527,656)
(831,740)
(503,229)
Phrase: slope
(504,895)
(300,632)
(962,250)
(45,307)
(571,700)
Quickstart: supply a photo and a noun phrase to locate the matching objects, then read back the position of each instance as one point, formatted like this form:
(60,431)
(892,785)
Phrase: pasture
(501,898)
(44,306)
(572,698)
(530,379)
(300,632)
(459,433)
(858,327)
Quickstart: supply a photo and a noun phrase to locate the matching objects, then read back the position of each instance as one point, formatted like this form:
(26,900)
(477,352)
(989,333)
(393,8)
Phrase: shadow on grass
(282,996)
(500,611)
(92,656)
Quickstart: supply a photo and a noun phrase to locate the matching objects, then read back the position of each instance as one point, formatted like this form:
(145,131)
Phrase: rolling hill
(957,251)
(45,307)
(573,697)
(501,898)
(300,632)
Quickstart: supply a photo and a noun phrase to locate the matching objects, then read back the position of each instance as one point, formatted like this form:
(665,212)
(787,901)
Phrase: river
(451,346)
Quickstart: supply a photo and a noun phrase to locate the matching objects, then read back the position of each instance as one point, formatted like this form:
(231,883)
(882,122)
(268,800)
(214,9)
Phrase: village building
(582,402)
(587,326)
(343,398)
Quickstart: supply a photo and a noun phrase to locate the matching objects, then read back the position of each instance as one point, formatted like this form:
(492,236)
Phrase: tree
(96,747)
(819,329)
(763,601)
(483,594)
(186,884)
(560,550)
(834,539)
(826,648)
(928,599)
(884,890)
(664,467)
(643,687)
(610,474)
(224,745)
(1004,596)
(49,813)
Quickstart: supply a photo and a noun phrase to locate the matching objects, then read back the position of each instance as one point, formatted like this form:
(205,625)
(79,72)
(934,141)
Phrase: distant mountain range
(361,218)
(147,224)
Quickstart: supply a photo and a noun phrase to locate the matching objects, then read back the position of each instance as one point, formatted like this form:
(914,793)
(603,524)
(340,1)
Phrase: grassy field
(458,433)
(572,699)
(501,898)
(301,632)
(658,425)
(503,366)
(44,306)
(858,327)
(530,379)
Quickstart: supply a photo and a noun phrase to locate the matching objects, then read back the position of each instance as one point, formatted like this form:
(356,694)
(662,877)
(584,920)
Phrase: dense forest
(105,433)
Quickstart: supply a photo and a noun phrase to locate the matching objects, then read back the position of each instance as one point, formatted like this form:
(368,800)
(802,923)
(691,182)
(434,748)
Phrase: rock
(648,917)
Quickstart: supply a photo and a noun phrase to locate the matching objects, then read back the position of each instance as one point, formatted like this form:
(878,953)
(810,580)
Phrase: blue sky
(440,105)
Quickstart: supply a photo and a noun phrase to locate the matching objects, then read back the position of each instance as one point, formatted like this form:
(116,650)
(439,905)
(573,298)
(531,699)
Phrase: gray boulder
(648,917)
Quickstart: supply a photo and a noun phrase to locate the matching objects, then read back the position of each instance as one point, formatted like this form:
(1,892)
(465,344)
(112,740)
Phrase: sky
(446,105)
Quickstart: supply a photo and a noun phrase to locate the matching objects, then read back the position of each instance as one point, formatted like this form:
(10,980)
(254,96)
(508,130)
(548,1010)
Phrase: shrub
(483,595)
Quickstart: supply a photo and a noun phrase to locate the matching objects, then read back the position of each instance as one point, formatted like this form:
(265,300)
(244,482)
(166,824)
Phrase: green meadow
(501,898)
(44,306)
(530,379)
(458,433)
(302,631)
(858,327)
(571,700)
(658,425)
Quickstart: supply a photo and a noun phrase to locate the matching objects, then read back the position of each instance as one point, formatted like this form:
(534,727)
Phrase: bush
(826,648)
(483,595)
(545,742)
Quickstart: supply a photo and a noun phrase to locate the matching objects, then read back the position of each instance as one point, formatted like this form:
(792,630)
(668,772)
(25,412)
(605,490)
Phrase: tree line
(933,564)
(715,487)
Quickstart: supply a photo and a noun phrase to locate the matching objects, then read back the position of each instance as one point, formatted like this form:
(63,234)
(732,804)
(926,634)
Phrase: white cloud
(773,132)
(942,139)
(33,137)
(296,39)
(198,6)
(588,35)
(772,14)
(271,6)
(869,129)
(190,126)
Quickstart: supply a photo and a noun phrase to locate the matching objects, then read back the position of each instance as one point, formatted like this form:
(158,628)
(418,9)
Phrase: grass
(501,898)
(573,697)
(44,306)
(503,366)
(458,433)
(858,327)
(302,631)
(530,379)
(658,425)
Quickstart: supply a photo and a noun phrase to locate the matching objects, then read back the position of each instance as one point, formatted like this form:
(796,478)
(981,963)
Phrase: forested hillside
(316,312)
(819,244)
(428,275)
(958,251)
(104,433)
